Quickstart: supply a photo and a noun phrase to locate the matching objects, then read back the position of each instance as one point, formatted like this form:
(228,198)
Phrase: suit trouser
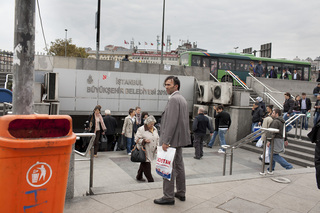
(110,142)
(198,145)
(178,175)
(317,163)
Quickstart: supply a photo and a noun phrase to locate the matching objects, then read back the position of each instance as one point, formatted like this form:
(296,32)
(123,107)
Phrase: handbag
(138,155)
(103,139)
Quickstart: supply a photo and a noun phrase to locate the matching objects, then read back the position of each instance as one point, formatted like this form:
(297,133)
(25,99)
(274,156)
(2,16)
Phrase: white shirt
(173,93)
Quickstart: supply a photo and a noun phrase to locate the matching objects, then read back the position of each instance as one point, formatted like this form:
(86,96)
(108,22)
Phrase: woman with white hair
(147,136)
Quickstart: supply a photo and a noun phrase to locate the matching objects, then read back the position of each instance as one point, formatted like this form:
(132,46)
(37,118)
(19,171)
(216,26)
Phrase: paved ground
(116,189)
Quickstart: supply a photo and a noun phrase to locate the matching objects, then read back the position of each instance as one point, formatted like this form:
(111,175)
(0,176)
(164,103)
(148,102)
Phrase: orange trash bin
(34,162)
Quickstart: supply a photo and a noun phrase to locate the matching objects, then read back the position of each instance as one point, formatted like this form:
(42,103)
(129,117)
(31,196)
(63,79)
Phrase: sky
(292,26)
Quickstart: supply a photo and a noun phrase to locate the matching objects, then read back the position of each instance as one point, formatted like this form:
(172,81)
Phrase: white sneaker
(221,151)
(129,154)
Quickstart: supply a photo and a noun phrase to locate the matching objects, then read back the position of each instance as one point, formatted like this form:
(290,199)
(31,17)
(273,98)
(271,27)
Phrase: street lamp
(65,44)
(164,4)
(235,49)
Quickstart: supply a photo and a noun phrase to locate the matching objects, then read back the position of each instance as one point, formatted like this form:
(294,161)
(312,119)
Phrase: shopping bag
(259,143)
(255,129)
(164,162)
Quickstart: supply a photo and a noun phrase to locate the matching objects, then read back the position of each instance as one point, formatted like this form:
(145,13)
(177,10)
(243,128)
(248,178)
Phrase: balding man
(200,125)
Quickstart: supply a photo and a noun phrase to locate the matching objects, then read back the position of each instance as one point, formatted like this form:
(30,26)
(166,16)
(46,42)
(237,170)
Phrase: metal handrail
(214,77)
(243,141)
(260,82)
(6,106)
(91,149)
(273,100)
(236,78)
(295,118)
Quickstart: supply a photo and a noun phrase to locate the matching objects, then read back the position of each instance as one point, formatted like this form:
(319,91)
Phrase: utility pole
(164,5)
(98,29)
(23,58)
(65,44)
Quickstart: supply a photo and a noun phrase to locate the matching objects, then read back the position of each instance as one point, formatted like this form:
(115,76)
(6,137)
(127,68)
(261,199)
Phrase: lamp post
(162,37)
(65,43)
(235,49)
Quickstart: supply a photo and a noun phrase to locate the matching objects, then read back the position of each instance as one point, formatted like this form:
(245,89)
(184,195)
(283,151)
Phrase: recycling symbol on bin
(39,174)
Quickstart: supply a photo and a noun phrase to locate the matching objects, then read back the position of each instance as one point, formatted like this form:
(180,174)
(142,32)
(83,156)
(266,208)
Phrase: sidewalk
(116,190)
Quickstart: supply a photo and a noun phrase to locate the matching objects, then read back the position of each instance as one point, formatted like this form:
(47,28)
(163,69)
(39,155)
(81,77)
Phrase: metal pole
(301,126)
(295,134)
(65,44)
(224,163)
(264,156)
(271,156)
(162,37)
(23,60)
(91,170)
(231,161)
(98,30)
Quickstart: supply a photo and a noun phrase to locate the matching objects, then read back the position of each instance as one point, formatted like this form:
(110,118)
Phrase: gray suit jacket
(175,129)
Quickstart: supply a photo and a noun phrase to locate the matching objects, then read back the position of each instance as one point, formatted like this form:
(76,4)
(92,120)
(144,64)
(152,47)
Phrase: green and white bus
(239,64)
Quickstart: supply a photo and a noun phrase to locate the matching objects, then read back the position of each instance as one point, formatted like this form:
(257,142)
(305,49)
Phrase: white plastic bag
(164,162)
(259,143)
(267,158)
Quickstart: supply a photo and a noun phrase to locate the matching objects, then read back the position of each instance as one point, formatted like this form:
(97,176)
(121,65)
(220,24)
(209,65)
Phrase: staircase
(299,152)
(253,94)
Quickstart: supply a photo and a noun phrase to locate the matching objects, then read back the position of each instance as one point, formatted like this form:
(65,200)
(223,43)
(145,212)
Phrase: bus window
(305,75)
(196,60)
(205,62)
(289,68)
(242,65)
(277,68)
(227,64)
(214,67)
(184,59)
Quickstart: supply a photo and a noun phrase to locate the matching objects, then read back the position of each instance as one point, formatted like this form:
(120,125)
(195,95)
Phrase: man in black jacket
(223,126)
(316,90)
(257,116)
(111,124)
(200,125)
(288,109)
(305,104)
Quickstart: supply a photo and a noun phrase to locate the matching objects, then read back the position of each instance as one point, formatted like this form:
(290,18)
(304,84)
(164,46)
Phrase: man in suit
(111,124)
(305,104)
(284,74)
(175,132)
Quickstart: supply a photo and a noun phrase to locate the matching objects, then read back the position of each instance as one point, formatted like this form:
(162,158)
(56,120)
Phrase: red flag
(164,44)
(145,43)
(125,42)
(151,44)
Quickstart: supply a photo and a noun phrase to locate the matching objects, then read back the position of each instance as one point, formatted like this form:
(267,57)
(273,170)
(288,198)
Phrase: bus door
(214,68)
(305,76)
(289,68)
(277,68)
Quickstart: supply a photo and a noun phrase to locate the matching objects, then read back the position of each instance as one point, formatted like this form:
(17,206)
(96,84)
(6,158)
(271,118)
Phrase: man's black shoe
(141,180)
(196,158)
(182,198)
(162,201)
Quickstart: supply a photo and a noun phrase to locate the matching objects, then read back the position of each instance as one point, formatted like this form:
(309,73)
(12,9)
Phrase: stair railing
(237,79)
(277,103)
(295,118)
(214,77)
(249,138)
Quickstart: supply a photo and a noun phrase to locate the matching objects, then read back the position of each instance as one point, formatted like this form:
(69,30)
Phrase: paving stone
(85,205)
(205,207)
(238,205)
(315,209)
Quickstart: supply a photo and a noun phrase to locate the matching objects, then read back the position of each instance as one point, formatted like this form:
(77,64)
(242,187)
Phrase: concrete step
(300,148)
(288,155)
(305,142)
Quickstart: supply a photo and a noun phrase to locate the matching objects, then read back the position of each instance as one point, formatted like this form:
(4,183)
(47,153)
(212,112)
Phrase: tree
(57,48)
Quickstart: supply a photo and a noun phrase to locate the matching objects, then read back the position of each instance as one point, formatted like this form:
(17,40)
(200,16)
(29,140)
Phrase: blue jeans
(130,144)
(280,160)
(304,119)
(286,117)
(296,121)
(253,125)
(316,118)
(221,134)
(215,133)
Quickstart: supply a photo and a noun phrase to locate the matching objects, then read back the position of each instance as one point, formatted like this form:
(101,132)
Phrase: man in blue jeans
(305,104)
(224,122)
(280,140)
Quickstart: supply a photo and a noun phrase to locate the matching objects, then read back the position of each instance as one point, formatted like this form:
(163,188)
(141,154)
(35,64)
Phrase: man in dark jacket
(316,90)
(305,104)
(259,69)
(315,138)
(280,140)
(199,127)
(288,109)
(273,73)
(257,116)
(223,126)
(111,124)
